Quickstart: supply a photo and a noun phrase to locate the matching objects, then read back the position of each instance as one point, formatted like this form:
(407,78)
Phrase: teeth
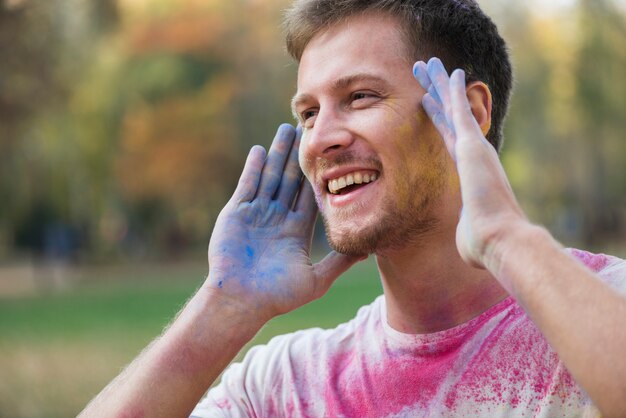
(357,177)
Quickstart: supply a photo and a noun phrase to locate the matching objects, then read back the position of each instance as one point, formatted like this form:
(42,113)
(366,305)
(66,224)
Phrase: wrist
(515,244)
(236,319)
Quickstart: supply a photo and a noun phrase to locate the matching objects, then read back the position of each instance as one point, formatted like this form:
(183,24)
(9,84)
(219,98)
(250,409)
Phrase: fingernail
(420,74)
(435,64)
(458,76)
(285,129)
(417,67)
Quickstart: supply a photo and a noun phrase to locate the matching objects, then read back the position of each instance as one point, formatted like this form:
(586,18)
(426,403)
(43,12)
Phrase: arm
(581,317)
(259,267)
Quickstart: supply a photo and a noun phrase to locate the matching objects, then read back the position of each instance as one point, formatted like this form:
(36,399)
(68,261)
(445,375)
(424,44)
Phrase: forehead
(364,44)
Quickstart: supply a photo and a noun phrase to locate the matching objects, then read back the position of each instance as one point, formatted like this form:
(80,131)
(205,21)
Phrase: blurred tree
(43,44)
(601,86)
(193,104)
(564,151)
(129,120)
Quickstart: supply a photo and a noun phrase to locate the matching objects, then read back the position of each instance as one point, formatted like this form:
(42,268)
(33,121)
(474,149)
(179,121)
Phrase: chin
(349,241)
(386,234)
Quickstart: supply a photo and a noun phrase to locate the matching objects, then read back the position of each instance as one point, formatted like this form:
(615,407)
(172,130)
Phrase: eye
(361,95)
(307,114)
(307,117)
(363,99)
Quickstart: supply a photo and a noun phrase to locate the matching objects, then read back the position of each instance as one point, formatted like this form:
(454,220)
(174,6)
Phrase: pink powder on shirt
(400,379)
(223,404)
(519,371)
(595,262)
(513,366)
(496,361)
(292,407)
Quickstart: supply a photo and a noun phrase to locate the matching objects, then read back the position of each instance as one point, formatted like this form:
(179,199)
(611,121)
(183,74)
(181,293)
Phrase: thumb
(330,268)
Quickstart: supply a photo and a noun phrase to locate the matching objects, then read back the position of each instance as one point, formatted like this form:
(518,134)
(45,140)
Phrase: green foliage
(135,303)
(564,149)
(160,76)
(58,351)
(127,123)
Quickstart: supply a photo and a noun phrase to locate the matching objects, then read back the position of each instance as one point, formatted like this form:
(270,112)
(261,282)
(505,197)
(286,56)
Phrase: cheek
(422,154)
(416,135)
(303,159)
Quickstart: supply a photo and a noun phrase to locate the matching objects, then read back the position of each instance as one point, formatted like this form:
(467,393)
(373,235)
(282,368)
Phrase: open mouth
(352,181)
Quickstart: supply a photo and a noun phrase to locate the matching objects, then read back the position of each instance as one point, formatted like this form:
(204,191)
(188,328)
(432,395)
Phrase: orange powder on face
(425,171)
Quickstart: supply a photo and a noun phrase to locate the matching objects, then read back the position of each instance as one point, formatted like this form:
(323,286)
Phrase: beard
(406,216)
(394,230)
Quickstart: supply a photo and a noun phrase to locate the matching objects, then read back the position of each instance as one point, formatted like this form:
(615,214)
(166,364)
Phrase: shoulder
(610,269)
(290,362)
(304,343)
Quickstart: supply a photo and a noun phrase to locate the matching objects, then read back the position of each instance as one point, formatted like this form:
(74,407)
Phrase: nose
(330,134)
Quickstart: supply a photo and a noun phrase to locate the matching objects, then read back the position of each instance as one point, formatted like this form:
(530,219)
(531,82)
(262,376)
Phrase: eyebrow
(339,84)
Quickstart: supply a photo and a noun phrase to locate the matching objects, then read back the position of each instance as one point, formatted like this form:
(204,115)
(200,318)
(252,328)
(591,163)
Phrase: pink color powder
(223,404)
(494,363)
(513,366)
(595,262)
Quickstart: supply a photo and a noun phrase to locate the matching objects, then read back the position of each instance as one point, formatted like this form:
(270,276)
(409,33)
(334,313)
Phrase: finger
(420,72)
(305,202)
(330,268)
(306,211)
(275,162)
(250,176)
(441,83)
(472,145)
(435,111)
(446,130)
(464,122)
(292,177)
(432,91)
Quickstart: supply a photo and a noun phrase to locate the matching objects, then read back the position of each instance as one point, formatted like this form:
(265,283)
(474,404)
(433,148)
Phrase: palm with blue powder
(490,209)
(259,252)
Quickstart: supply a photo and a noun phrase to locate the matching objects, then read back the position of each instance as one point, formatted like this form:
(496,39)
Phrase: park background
(123,128)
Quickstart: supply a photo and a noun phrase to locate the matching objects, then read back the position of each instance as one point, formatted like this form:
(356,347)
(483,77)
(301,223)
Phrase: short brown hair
(456,31)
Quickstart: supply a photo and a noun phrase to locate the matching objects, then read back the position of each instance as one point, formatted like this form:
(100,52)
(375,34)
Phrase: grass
(58,350)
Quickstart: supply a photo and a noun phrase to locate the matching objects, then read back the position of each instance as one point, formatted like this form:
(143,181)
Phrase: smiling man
(483,313)
(357,104)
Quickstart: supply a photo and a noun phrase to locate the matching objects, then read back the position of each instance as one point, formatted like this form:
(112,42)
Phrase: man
(483,313)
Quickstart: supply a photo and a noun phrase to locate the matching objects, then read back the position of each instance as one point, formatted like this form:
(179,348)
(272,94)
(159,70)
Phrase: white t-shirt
(497,364)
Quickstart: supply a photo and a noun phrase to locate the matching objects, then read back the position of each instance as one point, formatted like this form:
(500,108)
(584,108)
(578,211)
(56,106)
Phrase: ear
(479,97)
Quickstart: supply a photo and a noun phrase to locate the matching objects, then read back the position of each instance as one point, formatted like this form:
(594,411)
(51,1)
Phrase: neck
(429,288)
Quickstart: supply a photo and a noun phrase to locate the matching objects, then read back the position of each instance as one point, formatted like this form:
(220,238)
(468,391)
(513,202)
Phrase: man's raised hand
(259,251)
(490,210)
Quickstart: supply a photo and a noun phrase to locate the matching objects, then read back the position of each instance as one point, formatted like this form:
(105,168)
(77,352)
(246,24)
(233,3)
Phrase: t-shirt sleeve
(244,386)
(611,270)
(614,274)
(266,381)
(228,399)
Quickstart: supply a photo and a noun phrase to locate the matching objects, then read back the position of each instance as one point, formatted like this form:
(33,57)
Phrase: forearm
(581,317)
(173,373)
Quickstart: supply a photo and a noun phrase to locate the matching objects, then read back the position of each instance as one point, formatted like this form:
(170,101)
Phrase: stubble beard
(407,215)
(396,228)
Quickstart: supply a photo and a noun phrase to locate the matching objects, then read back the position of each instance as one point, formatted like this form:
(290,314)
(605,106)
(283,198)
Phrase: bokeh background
(124,125)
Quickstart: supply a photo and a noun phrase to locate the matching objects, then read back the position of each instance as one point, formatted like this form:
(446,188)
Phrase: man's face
(376,163)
